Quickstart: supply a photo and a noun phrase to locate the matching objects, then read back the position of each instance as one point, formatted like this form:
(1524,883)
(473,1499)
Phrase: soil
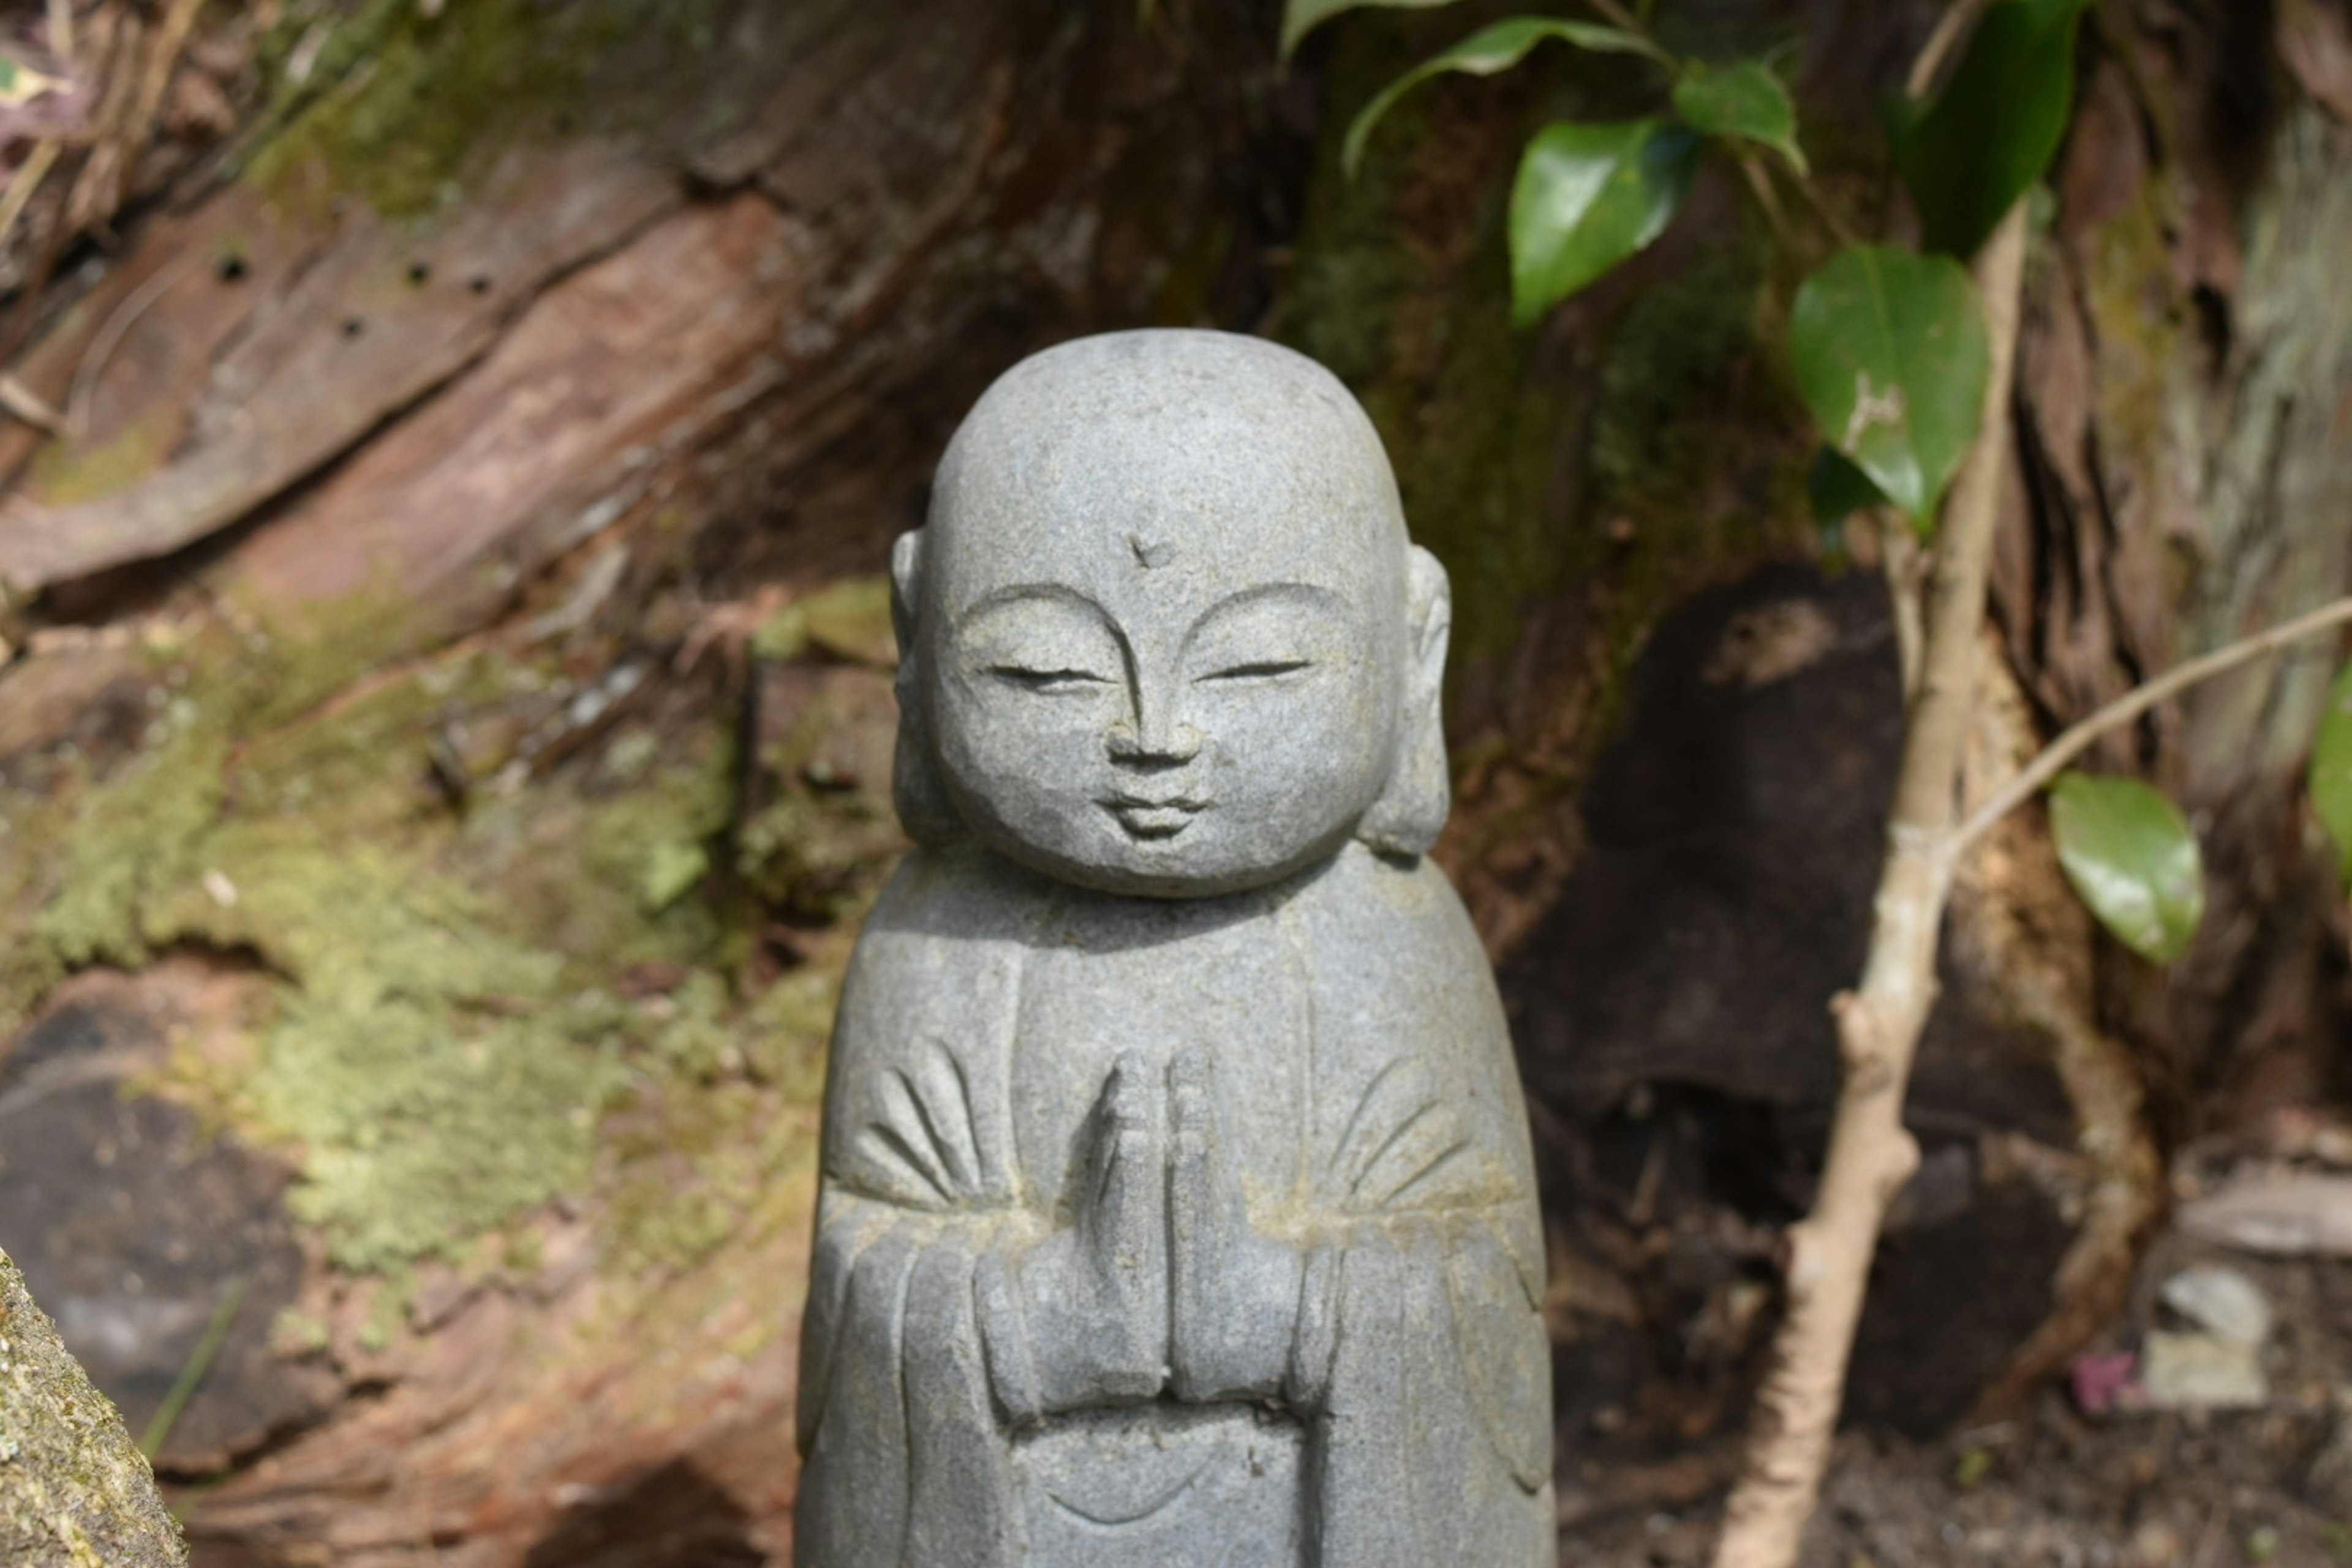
(2051,1484)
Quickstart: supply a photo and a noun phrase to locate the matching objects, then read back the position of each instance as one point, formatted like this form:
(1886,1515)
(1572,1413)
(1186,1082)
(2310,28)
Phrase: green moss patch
(455,1019)
(401,108)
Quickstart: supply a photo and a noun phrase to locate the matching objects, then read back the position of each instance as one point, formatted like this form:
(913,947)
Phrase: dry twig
(2077,738)
(1870,1154)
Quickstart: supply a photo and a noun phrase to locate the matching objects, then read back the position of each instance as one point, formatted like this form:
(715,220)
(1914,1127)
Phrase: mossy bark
(505,740)
(75,1491)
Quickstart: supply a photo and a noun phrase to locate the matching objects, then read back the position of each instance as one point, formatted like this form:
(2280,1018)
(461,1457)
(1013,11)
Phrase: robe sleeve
(904,1462)
(1422,1344)
(904,1458)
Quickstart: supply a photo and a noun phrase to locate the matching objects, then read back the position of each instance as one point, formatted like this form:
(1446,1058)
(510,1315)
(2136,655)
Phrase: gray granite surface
(1178,1207)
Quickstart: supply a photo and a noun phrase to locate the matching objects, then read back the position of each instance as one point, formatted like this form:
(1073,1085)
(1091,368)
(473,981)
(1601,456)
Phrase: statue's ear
(916,789)
(1406,818)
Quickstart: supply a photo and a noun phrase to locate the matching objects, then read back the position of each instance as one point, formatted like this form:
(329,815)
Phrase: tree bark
(446,677)
(74,1491)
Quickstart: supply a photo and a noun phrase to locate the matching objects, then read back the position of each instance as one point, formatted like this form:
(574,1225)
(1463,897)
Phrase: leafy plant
(1587,197)
(1889,353)
(1903,367)
(1888,346)
(1986,139)
(2131,857)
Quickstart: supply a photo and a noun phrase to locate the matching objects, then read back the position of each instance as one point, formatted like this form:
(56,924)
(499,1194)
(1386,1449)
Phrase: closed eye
(1262,669)
(1048,680)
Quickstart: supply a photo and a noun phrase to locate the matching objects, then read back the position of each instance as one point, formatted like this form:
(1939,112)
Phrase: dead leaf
(2290,1215)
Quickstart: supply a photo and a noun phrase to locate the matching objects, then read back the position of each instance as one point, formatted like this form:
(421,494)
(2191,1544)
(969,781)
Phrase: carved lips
(1153,816)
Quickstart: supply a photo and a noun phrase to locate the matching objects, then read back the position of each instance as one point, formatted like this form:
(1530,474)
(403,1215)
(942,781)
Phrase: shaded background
(445,724)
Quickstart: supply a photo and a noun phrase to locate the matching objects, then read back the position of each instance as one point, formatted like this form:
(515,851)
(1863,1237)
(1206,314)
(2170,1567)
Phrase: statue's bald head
(1179,444)
(1165,567)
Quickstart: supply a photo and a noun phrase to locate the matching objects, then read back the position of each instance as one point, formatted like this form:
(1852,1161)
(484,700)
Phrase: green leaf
(1301,16)
(2133,860)
(20,83)
(2331,769)
(1890,354)
(1588,196)
(1837,488)
(1742,102)
(1485,52)
(1991,132)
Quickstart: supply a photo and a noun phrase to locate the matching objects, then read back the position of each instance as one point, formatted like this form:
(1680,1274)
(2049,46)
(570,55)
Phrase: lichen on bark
(443,1040)
(75,1492)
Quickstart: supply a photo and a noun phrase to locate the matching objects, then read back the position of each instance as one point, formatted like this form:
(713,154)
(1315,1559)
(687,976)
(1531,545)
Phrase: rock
(2155,1544)
(2221,1302)
(134,1224)
(2202,1372)
(74,1492)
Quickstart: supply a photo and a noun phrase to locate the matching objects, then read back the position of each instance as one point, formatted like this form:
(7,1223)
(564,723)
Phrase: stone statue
(1178,1207)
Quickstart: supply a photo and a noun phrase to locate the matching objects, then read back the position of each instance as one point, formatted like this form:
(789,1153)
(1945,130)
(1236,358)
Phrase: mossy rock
(74,1491)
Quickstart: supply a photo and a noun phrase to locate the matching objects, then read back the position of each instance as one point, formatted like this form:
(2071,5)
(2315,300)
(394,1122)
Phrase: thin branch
(27,405)
(2077,738)
(1760,181)
(1821,208)
(1618,16)
(24,183)
(199,1363)
(110,333)
(1950,28)
(1900,558)
(1871,1154)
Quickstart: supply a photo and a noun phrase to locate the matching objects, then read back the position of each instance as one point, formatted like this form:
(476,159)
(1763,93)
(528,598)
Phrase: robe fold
(1367,1104)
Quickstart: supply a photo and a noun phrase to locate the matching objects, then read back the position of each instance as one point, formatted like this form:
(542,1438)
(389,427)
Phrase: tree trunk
(447,733)
(74,1492)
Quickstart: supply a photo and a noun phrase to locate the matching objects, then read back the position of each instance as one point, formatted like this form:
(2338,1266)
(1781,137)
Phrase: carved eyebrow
(1051,593)
(1015,592)
(1305,592)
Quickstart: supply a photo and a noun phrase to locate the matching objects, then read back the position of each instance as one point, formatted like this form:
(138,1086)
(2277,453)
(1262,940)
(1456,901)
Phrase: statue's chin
(1161,865)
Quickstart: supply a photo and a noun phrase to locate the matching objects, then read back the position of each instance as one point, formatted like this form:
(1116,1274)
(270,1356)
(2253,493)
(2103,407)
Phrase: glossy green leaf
(1741,101)
(1301,16)
(1991,132)
(1890,354)
(1837,488)
(1485,52)
(1588,196)
(2132,858)
(2331,769)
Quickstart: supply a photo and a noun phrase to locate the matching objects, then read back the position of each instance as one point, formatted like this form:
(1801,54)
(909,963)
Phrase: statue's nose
(1142,743)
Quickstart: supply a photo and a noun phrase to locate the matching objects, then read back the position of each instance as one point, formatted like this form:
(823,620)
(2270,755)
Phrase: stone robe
(1368,1101)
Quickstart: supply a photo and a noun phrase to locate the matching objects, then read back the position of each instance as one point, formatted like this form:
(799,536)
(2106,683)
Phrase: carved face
(1163,623)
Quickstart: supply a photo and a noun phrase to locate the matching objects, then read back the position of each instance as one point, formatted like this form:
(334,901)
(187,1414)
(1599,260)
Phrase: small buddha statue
(1178,1208)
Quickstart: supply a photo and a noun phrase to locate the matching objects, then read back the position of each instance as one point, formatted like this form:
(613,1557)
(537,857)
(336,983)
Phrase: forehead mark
(1150,553)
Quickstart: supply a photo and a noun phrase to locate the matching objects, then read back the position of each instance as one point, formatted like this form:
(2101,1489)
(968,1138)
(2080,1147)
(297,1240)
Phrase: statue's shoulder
(958,894)
(948,929)
(1379,914)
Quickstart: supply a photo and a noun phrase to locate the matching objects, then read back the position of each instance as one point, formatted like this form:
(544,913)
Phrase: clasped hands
(1160,1283)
